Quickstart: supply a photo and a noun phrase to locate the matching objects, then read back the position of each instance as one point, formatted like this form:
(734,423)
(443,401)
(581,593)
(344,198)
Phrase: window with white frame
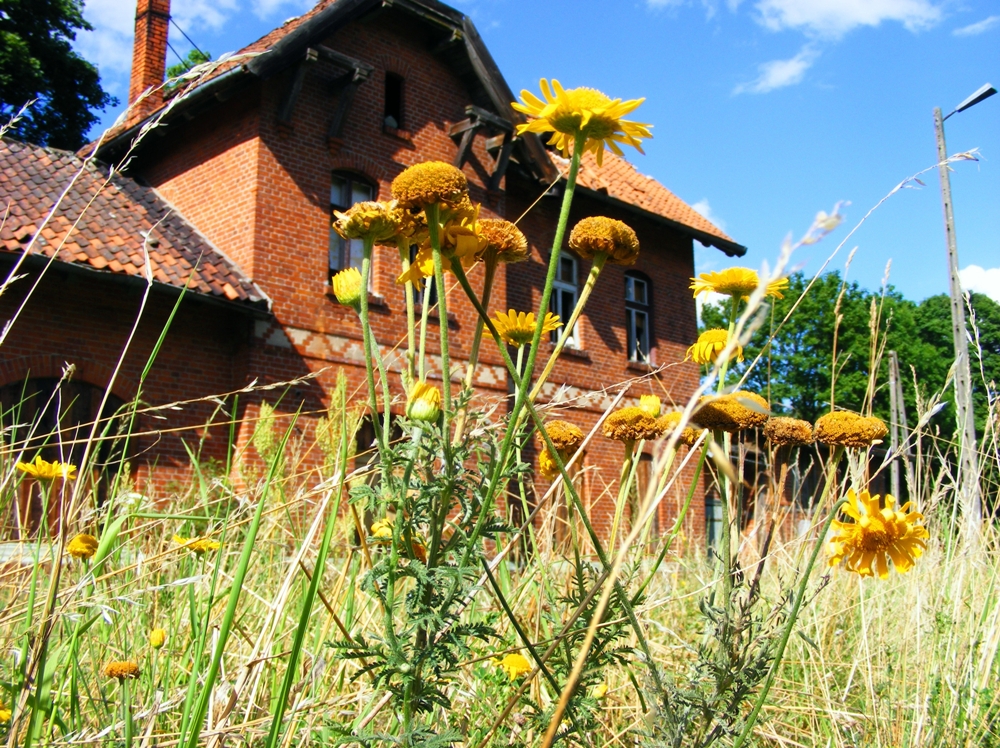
(637,317)
(565,292)
(346,190)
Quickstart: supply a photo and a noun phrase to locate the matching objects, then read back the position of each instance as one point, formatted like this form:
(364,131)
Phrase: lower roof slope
(108,222)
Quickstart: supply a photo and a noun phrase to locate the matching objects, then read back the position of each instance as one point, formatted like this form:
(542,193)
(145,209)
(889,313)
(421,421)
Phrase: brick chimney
(149,54)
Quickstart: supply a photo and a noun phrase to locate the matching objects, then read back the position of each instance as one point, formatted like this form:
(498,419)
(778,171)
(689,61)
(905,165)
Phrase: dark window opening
(393,115)
(565,292)
(637,318)
(345,191)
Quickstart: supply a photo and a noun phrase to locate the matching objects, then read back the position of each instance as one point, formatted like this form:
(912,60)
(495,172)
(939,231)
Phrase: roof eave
(729,248)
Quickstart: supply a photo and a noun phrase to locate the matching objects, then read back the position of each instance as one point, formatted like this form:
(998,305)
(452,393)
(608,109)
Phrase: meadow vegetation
(413,591)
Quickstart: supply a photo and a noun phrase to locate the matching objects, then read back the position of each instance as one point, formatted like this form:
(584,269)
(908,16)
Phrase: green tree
(37,62)
(193,58)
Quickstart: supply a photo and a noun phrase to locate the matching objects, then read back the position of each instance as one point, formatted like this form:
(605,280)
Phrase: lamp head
(982,93)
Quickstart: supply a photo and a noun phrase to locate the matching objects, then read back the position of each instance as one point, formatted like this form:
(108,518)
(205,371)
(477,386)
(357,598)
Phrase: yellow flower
(504,238)
(582,113)
(735,412)
(82,546)
(849,430)
(599,691)
(876,533)
(650,404)
(632,424)
(382,535)
(565,436)
(460,240)
(382,529)
(42,470)
(518,328)
(5,714)
(199,546)
(737,282)
(424,403)
(428,183)
(347,287)
(547,465)
(121,670)
(710,344)
(788,432)
(670,422)
(599,234)
(157,638)
(370,220)
(515,665)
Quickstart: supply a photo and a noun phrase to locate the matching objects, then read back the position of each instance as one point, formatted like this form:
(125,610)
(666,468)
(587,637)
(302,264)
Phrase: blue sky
(764,111)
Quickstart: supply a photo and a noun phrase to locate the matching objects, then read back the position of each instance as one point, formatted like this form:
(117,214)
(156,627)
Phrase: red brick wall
(261,193)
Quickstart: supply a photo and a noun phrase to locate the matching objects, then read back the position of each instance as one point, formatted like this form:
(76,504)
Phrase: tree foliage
(37,62)
(796,368)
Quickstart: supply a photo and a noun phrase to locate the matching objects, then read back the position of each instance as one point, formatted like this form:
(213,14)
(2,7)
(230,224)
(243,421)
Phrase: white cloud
(780,73)
(981,280)
(833,18)
(974,29)
(705,210)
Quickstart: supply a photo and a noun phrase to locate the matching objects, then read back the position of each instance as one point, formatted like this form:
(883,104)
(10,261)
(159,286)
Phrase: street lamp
(968,461)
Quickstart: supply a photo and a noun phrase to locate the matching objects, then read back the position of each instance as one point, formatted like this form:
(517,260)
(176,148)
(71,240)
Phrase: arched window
(565,292)
(638,312)
(346,189)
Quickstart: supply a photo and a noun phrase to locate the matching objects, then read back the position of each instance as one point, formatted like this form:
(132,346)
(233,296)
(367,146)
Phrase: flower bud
(157,638)
(347,288)
(424,403)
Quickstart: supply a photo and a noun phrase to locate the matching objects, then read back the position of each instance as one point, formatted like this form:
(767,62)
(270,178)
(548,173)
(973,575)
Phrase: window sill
(434,317)
(397,133)
(570,352)
(375,301)
(641,366)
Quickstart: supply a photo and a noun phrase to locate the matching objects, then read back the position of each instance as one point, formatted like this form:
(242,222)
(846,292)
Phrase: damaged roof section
(103,224)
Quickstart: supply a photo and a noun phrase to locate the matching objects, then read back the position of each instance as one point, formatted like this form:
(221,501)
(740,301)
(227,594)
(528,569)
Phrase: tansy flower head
(736,282)
(370,220)
(424,402)
(845,429)
(599,234)
(632,424)
(157,638)
(82,546)
(710,344)
(875,534)
(735,412)
(515,665)
(518,328)
(582,113)
(565,436)
(428,183)
(200,546)
(788,432)
(347,287)
(504,238)
(43,470)
(650,404)
(670,422)
(121,670)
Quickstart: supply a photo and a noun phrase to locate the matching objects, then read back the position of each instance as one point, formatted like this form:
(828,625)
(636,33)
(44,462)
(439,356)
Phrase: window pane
(640,290)
(360,192)
(340,193)
(567,270)
(638,324)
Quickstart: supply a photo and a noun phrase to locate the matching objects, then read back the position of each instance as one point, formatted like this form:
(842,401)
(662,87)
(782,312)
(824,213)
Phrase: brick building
(231,193)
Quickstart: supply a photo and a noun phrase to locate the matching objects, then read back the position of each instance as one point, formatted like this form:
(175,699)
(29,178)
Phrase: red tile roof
(617,178)
(103,224)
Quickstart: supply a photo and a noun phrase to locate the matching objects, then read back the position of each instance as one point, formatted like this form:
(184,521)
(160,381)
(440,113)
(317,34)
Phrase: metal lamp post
(969,463)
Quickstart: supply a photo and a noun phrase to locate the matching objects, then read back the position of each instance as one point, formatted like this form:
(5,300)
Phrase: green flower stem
(595,270)
(787,632)
(508,438)
(424,312)
(126,694)
(624,485)
(725,542)
(366,267)
(678,524)
(411,336)
(433,223)
(488,278)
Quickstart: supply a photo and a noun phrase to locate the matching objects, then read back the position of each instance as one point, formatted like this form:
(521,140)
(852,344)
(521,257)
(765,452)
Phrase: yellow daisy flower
(515,665)
(875,535)
(582,113)
(199,546)
(82,546)
(5,714)
(518,328)
(710,344)
(460,240)
(42,470)
(737,282)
